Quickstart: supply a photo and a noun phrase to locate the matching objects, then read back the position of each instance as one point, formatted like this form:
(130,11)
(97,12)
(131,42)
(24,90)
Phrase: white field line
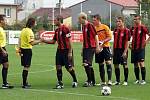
(79,94)
(35,71)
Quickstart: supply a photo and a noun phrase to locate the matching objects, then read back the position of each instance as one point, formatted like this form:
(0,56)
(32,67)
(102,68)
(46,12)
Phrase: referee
(3,54)
(26,42)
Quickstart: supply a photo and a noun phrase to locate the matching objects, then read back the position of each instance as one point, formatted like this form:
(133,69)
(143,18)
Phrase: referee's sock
(136,71)
(24,76)
(143,72)
(117,73)
(4,75)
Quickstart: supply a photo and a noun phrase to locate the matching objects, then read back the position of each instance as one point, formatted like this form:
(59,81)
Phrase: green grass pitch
(42,77)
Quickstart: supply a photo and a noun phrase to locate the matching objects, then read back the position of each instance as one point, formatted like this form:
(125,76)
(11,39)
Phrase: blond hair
(83,15)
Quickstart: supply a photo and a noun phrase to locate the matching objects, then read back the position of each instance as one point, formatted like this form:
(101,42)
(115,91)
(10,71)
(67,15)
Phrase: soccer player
(64,54)
(90,44)
(26,41)
(120,49)
(138,33)
(3,54)
(105,56)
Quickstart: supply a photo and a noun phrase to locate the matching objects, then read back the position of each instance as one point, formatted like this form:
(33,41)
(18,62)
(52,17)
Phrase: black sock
(59,75)
(126,71)
(143,72)
(136,71)
(102,72)
(88,73)
(72,73)
(24,76)
(4,75)
(109,71)
(117,73)
(92,75)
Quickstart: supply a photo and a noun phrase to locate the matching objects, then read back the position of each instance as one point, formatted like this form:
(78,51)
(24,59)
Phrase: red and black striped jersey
(139,36)
(121,37)
(89,34)
(62,35)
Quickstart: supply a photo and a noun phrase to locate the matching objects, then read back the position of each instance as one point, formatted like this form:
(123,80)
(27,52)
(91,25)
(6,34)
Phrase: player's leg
(5,64)
(26,56)
(108,61)
(142,66)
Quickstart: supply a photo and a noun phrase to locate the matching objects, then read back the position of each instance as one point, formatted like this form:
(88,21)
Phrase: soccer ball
(106,90)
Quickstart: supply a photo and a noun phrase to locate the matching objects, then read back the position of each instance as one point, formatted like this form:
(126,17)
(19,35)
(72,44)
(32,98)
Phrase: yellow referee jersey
(2,37)
(26,37)
(103,32)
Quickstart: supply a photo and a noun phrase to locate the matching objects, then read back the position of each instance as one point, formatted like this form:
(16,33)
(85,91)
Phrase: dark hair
(136,15)
(120,18)
(2,17)
(30,23)
(59,18)
(97,16)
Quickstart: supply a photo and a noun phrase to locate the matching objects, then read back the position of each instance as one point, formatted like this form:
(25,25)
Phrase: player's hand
(130,46)
(70,55)
(124,55)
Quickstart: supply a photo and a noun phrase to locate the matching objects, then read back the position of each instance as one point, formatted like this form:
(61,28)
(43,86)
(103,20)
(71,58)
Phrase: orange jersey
(103,32)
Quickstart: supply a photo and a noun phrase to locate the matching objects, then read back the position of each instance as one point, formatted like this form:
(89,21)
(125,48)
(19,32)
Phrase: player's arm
(97,44)
(52,41)
(147,41)
(108,35)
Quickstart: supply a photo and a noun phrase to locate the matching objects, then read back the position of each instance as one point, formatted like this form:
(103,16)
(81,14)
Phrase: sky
(50,3)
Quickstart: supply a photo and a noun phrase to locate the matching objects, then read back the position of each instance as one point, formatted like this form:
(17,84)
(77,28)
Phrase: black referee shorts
(137,55)
(88,54)
(26,56)
(117,57)
(3,59)
(62,58)
(104,55)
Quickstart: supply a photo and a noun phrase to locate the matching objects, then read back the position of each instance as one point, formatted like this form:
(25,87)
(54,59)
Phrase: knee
(58,67)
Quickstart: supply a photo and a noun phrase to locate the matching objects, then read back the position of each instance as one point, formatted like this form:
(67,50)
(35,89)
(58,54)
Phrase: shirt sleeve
(30,37)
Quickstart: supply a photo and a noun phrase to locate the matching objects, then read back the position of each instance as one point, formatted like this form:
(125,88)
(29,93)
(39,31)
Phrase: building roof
(49,11)
(125,3)
(6,4)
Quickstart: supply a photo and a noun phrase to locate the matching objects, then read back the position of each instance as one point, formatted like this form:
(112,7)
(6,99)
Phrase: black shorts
(137,55)
(3,59)
(62,58)
(26,56)
(117,57)
(104,55)
(88,54)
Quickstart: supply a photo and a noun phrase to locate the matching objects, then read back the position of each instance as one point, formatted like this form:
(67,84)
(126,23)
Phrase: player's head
(82,17)
(58,20)
(96,19)
(2,20)
(30,23)
(120,21)
(137,19)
